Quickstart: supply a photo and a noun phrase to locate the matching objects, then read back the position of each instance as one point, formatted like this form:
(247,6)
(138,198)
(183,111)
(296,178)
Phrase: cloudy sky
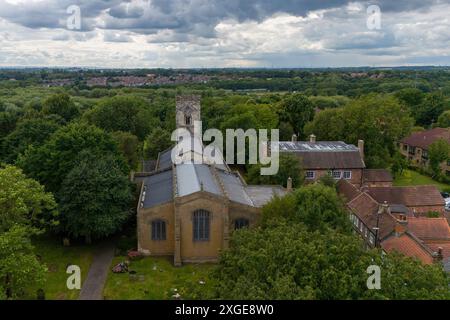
(224,33)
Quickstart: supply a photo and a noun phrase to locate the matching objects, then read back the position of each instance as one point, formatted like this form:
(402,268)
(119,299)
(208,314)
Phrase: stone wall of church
(146,245)
(201,251)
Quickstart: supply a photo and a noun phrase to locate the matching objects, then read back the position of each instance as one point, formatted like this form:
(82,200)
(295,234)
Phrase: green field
(156,279)
(413,178)
(57,257)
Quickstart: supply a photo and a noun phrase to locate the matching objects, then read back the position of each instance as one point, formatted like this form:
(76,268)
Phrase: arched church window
(188,120)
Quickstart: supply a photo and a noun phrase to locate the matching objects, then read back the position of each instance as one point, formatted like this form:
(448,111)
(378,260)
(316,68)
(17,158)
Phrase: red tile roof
(347,190)
(429,228)
(366,208)
(416,196)
(445,248)
(423,139)
(377,175)
(408,245)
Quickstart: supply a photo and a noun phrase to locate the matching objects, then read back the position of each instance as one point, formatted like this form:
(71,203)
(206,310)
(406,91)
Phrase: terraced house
(189,210)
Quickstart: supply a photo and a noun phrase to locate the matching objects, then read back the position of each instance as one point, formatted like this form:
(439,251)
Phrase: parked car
(445,195)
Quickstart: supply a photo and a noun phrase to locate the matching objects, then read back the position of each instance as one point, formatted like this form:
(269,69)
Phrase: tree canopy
(95,197)
(52,161)
(24,202)
(123,113)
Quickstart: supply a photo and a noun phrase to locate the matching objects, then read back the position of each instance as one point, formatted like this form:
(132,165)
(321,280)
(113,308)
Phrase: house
(188,211)
(419,199)
(415,147)
(319,158)
(377,178)
(395,227)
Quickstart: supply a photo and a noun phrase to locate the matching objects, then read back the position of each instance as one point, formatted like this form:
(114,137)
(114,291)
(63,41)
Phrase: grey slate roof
(325,154)
(234,187)
(158,189)
(192,178)
(261,195)
(319,146)
(165,160)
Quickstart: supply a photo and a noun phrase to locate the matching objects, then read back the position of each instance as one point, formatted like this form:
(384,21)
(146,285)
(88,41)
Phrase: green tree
(62,105)
(123,113)
(317,206)
(289,167)
(24,202)
(28,132)
(438,152)
(286,261)
(378,119)
(297,110)
(95,197)
(444,120)
(51,162)
(430,109)
(129,146)
(19,267)
(158,141)
(399,164)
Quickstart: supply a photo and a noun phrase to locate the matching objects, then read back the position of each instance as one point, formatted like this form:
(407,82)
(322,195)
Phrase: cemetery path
(93,285)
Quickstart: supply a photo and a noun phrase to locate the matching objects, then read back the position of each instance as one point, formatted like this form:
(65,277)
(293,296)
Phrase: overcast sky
(224,33)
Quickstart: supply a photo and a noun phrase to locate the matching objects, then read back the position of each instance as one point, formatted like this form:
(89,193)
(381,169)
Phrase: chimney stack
(294,138)
(361,148)
(289,184)
(312,138)
(438,256)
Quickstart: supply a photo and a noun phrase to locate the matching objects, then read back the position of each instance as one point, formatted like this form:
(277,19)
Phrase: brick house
(319,158)
(394,227)
(420,200)
(188,211)
(415,147)
(377,178)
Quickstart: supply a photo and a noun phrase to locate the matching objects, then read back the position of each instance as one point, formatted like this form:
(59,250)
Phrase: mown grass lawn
(156,279)
(413,178)
(57,258)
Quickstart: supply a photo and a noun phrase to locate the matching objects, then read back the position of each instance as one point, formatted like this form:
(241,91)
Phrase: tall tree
(378,119)
(430,109)
(129,146)
(29,132)
(19,266)
(287,261)
(123,113)
(95,197)
(438,152)
(444,120)
(62,105)
(289,167)
(158,140)
(297,110)
(51,162)
(24,202)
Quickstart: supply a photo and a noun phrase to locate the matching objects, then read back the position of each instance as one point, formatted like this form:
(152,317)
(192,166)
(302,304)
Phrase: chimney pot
(312,138)
(289,184)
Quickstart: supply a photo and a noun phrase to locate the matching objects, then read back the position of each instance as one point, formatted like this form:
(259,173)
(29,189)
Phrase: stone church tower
(188,111)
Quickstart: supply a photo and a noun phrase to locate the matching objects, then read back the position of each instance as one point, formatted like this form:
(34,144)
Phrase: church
(188,211)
